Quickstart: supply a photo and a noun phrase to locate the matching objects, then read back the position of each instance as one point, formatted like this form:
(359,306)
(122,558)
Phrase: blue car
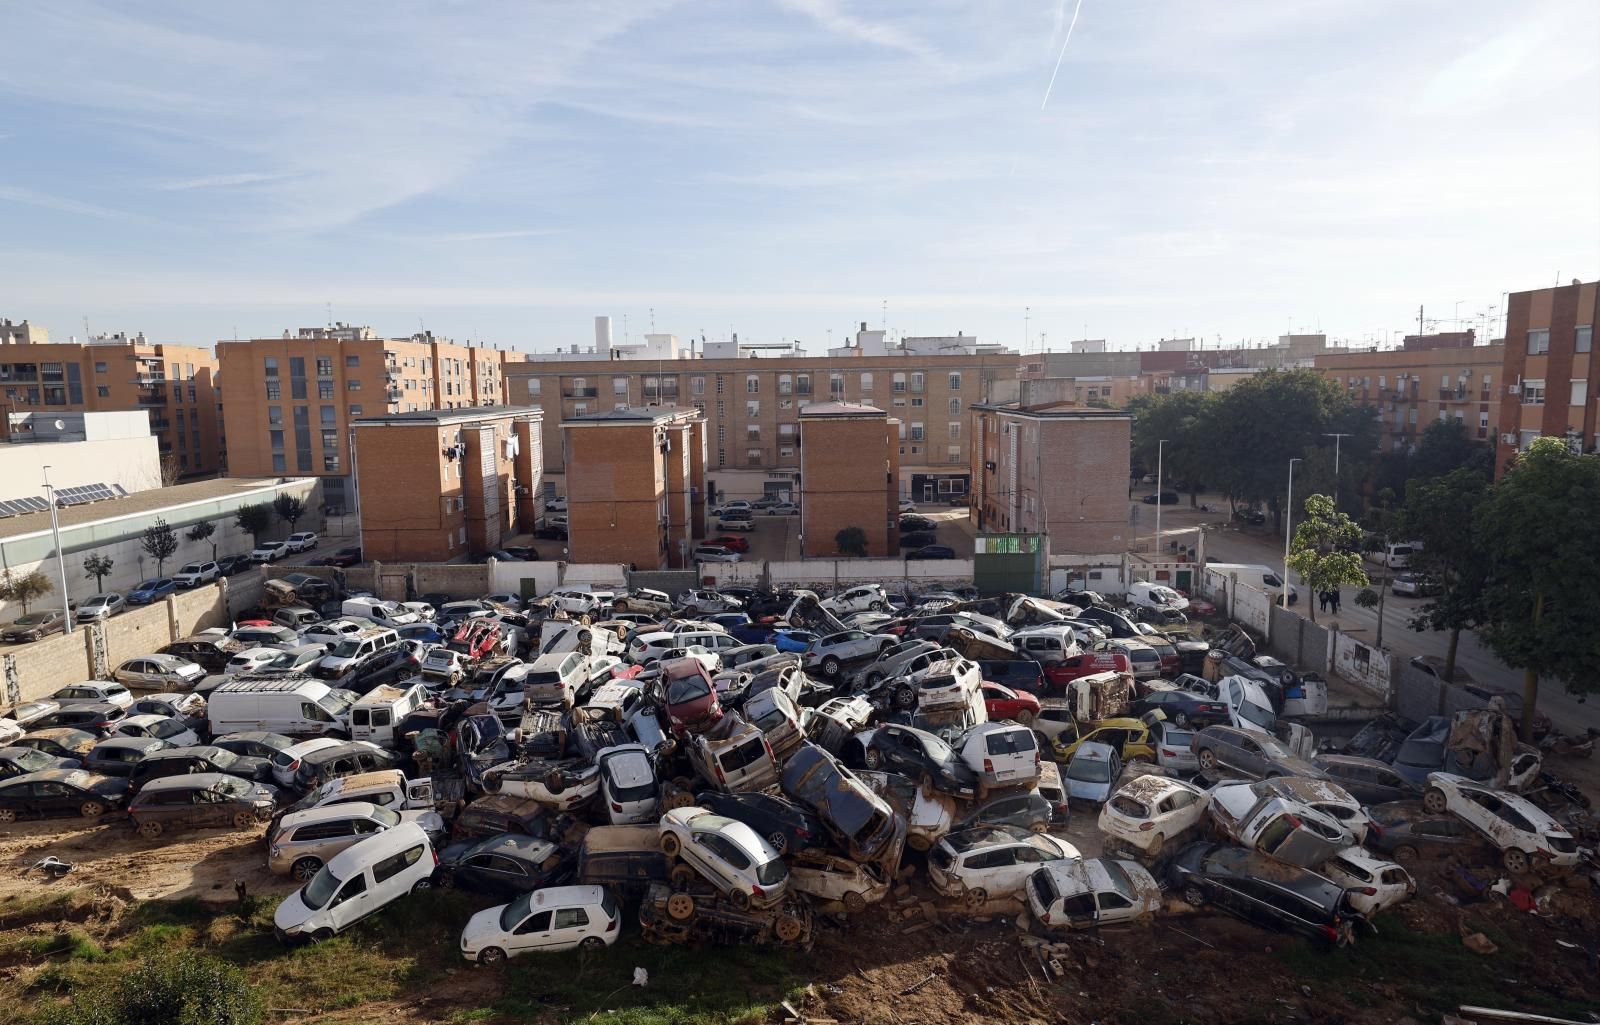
(152,590)
(427,633)
(793,640)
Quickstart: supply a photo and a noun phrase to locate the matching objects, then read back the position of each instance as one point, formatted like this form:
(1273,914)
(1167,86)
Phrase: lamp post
(1336,439)
(61,558)
(1160,450)
(1288,531)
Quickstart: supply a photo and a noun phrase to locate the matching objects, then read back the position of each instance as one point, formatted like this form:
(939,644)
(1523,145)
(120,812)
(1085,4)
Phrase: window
(533,387)
(327,416)
(1538,341)
(324,366)
(1580,393)
(785,452)
(278,464)
(916,403)
(271,364)
(752,456)
(103,391)
(836,386)
(274,390)
(1583,339)
(902,430)
(1413,415)
(786,432)
(955,429)
(917,382)
(355,410)
(785,384)
(354,384)
(899,383)
(955,407)
(330,439)
(352,361)
(916,432)
(1533,393)
(697,386)
(752,432)
(571,918)
(952,454)
(752,407)
(100,368)
(752,384)
(619,386)
(1383,382)
(866,385)
(275,438)
(396,863)
(324,389)
(802,384)
(580,408)
(330,463)
(955,382)
(537,924)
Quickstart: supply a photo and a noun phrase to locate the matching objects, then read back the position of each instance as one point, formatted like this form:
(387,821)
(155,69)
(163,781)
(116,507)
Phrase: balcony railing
(160,425)
(1452,394)
(153,398)
(580,393)
(149,379)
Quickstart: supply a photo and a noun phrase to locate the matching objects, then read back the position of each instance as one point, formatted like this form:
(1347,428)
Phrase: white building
(114,452)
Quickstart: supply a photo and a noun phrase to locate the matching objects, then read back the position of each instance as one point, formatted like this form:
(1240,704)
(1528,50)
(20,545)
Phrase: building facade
(91,457)
(433,485)
(1415,385)
(1057,470)
(289,402)
(175,386)
(1549,364)
(635,486)
(849,477)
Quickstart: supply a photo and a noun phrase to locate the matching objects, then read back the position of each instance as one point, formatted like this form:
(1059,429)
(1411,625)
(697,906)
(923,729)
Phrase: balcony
(153,398)
(146,378)
(580,393)
(1452,395)
(160,425)
(395,394)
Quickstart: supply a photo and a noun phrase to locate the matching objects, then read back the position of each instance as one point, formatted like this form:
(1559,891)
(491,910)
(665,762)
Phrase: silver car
(304,841)
(159,673)
(100,607)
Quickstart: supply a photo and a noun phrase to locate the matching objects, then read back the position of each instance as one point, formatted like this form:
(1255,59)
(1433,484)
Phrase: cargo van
(384,613)
(1152,595)
(374,716)
(1262,578)
(1047,645)
(294,706)
(355,647)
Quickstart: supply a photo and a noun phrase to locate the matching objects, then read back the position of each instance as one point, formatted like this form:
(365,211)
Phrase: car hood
(481,928)
(112,788)
(292,913)
(431,822)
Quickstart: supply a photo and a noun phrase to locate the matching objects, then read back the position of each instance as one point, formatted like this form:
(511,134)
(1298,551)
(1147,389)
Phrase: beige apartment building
(289,402)
(752,408)
(1431,377)
(175,385)
(635,487)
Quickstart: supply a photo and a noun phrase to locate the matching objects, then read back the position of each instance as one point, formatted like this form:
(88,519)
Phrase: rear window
(1010,742)
(737,758)
(1129,807)
(1044,887)
(942,856)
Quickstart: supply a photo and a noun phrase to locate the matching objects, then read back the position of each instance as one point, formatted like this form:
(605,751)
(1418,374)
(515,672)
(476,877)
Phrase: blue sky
(780,169)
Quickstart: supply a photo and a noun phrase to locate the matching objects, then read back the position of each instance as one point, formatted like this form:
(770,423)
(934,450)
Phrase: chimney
(602,337)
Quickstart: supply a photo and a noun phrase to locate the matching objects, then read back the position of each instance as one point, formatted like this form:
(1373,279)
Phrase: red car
(692,703)
(1198,606)
(1004,703)
(728,541)
(476,638)
(1085,665)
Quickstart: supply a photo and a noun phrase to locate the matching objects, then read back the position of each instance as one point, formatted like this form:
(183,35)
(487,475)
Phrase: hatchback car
(1083,894)
(544,921)
(1148,811)
(99,717)
(153,590)
(726,853)
(977,864)
(691,697)
(1522,831)
(251,659)
(1250,754)
(100,607)
(205,652)
(19,761)
(1002,754)
(508,863)
(1092,773)
(1406,831)
(785,825)
(200,800)
(917,755)
(255,743)
(1368,779)
(860,821)
(159,672)
(201,758)
(1373,883)
(175,732)
(116,756)
(54,792)
(62,742)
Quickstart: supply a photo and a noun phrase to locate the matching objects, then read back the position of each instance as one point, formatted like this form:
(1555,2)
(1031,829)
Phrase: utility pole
(1419,319)
(1336,439)
(1027,312)
(61,558)
(1160,450)
(1288,532)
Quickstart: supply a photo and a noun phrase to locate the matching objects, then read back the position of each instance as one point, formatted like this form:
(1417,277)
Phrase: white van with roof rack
(376,714)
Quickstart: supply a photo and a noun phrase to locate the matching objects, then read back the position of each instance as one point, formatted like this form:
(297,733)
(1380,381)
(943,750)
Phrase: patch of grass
(73,944)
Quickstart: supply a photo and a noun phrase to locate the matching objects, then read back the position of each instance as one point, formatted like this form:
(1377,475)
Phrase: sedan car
(1084,894)
(153,590)
(1369,780)
(1004,703)
(976,864)
(63,742)
(919,756)
(54,792)
(785,825)
(174,731)
(728,854)
(510,863)
(100,607)
(34,625)
(159,672)
(1522,831)
(932,552)
(19,761)
(1182,708)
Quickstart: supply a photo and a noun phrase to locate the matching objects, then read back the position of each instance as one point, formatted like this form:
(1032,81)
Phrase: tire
(904,697)
(1194,896)
(872,758)
(1039,827)
(491,956)
(670,844)
(789,928)
(150,830)
(1434,801)
(873,679)
(739,899)
(8,815)
(1180,719)
(779,841)
(1516,860)
(1024,718)
(975,897)
(830,666)
(680,907)
(243,820)
(91,809)
(592,944)
(855,903)
(322,936)
(878,606)
(304,869)
(919,843)
(1208,759)
(681,877)
(555,782)
(1405,854)
(422,885)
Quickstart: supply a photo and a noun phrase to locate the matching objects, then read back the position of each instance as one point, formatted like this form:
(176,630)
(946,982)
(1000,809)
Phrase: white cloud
(832,17)
(29,197)
(220,181)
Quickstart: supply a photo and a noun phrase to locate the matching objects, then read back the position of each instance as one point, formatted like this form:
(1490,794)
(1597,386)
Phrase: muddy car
(927,816)
(563,784)
(201,800)
(1524,833)
(1267,893)
(836,883)
(624,859)
(501,813)
(1256,817)
(859,820)
(704,915)
(1084,894)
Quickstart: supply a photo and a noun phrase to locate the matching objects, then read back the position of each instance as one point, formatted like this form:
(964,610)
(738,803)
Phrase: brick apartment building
(1430,377)
(175,385)
(1059,470)
(288,402)
(1549,364)
(752,405)
(437,484)
(849,477)
(635,486)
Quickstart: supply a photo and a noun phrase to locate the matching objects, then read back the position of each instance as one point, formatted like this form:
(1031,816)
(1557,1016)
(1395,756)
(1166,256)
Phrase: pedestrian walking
(1322,601)
(1335,601)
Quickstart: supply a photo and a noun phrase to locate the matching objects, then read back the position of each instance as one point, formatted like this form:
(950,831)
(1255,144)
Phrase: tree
(97,566)
(202,531)
(170,471)
(160,542)
(851,541)
(1540,543)
(253,519)
(1446,447)
(24,588)
(1439,514)
(171,988)
(289,508)
(1182,419)
(1381,529)
(1325,549)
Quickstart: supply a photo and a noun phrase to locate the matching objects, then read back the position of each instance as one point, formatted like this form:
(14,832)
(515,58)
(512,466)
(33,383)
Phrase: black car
(1021,674)
(526,553)
(53,792)
(509,863)
(117,756)
(95,717)
(61,742)
(918,539)
(1161,498)
(204,652)
(1367,779)
(933,552)
(1025,811)
(915,523)
(1181,708)
(344,759)
(381,667)
(344,558)
(229,565)
(919,756)
(19,761)
(781,822)
(1405,831)
(551,532)
(180,761)
(1114,623)
(1266,892)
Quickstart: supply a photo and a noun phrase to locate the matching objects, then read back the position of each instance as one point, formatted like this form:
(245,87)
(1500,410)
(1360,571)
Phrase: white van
(1396,556)
(295,706)
(1262,578)
(352,649)
(384,613)
(360,881)
(556,679)
(376,714)
(1152,595)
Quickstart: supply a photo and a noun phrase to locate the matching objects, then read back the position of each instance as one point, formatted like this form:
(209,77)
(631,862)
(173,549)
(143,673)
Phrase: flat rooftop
(153,500)
(634,415)
(817,409)
(450,416)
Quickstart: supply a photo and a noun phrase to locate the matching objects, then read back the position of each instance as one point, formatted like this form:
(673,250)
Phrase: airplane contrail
(1073,24)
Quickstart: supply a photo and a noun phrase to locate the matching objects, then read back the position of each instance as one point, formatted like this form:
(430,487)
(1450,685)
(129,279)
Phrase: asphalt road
(1226,543)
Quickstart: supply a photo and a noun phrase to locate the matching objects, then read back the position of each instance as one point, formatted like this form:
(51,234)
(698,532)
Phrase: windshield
(1119,878)
(287,660)
(233,787)
(320,890)
(387,818)
(32,760)
(1089,770)
(515,912)
(348,648)
(148,585)
(222,758)
(193,567)
(1424,753)
(336,701)
(1262,717)
(687,689)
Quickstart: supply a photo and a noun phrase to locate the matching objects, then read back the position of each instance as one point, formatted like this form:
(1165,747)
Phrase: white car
(249,660)
(93,692)
(194,574)
(1003,754)
(100,607)
(443,665)
(578,602)
(304,541)
(1249,708)
(714,553)
(1522,831)
(629,791)
(1083,894)
(1374,883)
(270,551)
(360,881)
(977,864)
(907,506)
(1254,816)
(1148,811)
(286,762)
(836,883)
(737,503)
(332,631)
(544,921)
(562,787)
(783,509)
(928,816)
(1327,797)
(161,727)
(557,504)
(952,683)
(731,855)
(831,653)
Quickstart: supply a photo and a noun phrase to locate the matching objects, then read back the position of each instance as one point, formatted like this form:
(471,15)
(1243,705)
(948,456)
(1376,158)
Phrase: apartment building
(1431,377)
(849,477)
(1549,364)
(289,402)
(436,484)
(1059,470)
(174,385)
(752,407)
(635,486)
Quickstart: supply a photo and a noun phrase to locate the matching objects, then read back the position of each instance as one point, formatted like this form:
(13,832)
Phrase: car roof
(324,813)
(55,776)
(518,845)
(373,848)
(123,740)
(188,781)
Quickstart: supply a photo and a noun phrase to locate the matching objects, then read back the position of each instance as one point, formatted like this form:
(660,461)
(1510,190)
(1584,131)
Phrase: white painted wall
(135,463)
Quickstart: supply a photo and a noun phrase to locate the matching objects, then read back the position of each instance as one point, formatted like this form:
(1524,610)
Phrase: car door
(498,873)
(52,798)
(568,928)
(211,808)
(532,934)
(1112,907)
(1246,755)
(352,903)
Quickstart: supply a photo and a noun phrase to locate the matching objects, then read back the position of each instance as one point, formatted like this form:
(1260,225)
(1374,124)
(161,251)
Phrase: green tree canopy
(253,519)
(851,541)
(1440,514)
(23,588)
(1326,549)
(202,531)
(1183,419)
(97,566)
(1539,538)
(289,508)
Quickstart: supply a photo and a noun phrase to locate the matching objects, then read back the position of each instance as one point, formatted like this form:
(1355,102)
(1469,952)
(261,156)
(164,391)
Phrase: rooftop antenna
(652,320)
(886,307)
(328,306)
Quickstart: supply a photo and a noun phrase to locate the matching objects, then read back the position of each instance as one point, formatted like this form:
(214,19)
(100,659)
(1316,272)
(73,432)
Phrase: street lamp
(1160,449)
(1288,532)
(1336,439)
(61,558)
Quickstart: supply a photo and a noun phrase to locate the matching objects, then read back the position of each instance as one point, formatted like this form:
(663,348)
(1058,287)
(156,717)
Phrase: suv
(200,799)
(204,758)
(557,679)
(303,841)
(194,574)
(342,759)
(304,541)
(626,859)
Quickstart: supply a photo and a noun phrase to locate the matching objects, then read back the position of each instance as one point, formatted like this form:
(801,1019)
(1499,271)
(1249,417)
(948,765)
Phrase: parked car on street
(303,541)
(193,574)
(932,552)
(269,551)
(34,625)
(153,590)
(100,607)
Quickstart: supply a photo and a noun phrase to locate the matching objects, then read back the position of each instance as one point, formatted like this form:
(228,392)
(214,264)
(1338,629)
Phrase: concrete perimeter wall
(914,574)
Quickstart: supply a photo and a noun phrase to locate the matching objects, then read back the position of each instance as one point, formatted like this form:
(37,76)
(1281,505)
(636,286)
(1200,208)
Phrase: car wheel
(975,897)
(1405,854)
(1434,801)
(855,903)
(779,841)
(1194,896)
(1516,860)
(91,809)
(670,844)
(830,666)
(304,869)
(491,955)
(8,815)
(422,885)
(872,758)
(681,877)
(904,696)
(680,906)
(873,679)
(555,782)
(918,842)
(1208,759)
(789,928)
(878,606)
(243,820)
(1024,718)
(322,936)
(592,944)
(1039,827)
(150,830)
(739,899)
(1180,719)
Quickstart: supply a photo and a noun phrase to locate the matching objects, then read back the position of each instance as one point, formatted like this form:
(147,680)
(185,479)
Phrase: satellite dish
(61,425)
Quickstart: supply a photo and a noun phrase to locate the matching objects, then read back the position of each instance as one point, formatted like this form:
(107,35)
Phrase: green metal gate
(1008,562)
